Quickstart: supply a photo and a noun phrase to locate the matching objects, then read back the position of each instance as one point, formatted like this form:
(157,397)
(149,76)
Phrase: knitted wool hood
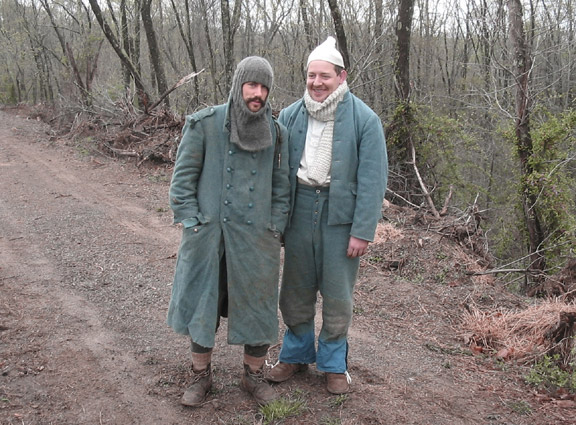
(250,130)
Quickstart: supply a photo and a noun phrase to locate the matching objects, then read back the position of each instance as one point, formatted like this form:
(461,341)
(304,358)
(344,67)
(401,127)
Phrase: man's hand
(356,247)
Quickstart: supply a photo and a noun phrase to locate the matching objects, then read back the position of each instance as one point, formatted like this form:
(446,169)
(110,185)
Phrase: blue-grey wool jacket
(359,172)
(235,199)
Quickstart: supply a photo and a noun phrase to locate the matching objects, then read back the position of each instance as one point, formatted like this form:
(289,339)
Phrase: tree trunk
(378,35)
(229,27)
(125,34)
(212,57)
(67,52)
(403,34)
(523,65)
(306,22)
(401,147)
(185,29)
(340,32)
(155,56)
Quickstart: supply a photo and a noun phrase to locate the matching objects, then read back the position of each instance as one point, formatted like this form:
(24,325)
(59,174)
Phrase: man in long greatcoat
(230,191)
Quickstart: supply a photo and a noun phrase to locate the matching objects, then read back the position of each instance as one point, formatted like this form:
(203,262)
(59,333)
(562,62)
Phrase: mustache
(256,99)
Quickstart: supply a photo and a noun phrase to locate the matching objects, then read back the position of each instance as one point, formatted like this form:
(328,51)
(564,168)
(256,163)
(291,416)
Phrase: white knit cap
(326,52)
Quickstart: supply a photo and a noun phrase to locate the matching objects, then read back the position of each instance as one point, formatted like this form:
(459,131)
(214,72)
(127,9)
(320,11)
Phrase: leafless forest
(476,96)
(477,100)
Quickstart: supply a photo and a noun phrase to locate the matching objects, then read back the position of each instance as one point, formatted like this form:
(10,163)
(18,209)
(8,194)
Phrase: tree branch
(182,81)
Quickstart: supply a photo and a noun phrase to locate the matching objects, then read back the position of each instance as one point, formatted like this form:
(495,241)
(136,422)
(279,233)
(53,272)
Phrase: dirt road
(87,252)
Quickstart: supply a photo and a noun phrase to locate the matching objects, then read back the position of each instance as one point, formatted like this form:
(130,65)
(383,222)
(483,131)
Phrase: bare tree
(216,88)
(306,22)
(155,56)
(29,17)
(403,35)
(83,74)
(185,29)
(340,32)
(143,96)
(130,39)
(230,24)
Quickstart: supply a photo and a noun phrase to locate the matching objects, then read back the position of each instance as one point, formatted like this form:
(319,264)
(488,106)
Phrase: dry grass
(525,335)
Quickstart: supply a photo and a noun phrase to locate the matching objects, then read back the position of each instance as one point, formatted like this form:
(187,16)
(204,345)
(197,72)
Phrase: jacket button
(249,222)
(250,205)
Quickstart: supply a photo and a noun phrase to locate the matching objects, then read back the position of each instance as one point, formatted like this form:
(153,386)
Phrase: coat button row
(226,220)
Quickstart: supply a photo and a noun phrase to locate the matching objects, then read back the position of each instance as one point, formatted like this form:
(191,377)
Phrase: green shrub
(547,374)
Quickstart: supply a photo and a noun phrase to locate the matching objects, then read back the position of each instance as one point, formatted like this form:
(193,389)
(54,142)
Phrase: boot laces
(198,376)
(257,376)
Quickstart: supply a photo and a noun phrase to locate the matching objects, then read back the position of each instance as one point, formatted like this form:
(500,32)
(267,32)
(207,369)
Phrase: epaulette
(200,115)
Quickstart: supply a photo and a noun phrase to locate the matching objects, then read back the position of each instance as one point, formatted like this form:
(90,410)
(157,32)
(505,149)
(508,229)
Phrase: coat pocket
(199,220)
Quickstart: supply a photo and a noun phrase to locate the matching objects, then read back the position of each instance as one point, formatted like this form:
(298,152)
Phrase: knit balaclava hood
(250,130)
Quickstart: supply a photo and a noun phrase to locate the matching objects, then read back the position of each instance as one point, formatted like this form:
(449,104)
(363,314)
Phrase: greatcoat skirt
(230,199)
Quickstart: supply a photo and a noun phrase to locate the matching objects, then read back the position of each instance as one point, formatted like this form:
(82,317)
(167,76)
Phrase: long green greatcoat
(231,199)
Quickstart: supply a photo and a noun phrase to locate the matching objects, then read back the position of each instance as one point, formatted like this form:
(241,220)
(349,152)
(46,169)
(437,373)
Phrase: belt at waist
(305,185)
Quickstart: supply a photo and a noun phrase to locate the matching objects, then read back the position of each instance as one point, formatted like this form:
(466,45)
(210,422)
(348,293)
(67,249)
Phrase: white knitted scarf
(324,111)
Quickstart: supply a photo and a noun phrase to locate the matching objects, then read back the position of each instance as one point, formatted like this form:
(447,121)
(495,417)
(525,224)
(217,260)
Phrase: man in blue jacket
(231,193)
(338,176)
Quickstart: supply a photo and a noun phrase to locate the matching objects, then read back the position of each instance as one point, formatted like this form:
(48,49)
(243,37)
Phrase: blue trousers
(315,262)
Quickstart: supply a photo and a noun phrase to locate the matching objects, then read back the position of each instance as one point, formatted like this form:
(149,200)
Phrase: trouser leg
(337,277)
(255,356)
(315,260)
(258,352)
(298,348)
(300,278)
(337,289)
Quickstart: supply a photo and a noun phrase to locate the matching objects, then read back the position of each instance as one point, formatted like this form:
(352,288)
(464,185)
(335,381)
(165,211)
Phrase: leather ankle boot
(254,383)
(195,394)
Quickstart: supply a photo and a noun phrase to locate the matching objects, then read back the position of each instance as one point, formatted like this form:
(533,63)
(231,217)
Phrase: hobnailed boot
(195,394)
(255,384)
